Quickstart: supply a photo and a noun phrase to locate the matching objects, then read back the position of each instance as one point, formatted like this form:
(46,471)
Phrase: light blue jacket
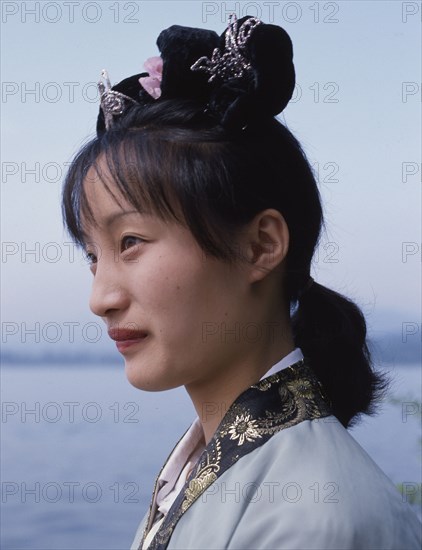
(301,482)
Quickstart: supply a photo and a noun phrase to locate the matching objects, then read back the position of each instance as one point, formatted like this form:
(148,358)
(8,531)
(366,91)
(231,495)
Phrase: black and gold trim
(279,401)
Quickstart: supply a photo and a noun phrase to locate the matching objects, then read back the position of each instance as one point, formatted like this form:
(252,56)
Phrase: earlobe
(268,243)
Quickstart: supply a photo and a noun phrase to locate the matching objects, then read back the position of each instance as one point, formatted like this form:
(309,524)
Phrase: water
(81,449)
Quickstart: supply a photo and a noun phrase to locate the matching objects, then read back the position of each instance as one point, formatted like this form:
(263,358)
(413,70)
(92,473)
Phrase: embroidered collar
(279,401)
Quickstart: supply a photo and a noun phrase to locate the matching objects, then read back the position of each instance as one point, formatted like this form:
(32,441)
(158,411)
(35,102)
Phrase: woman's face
(151,277)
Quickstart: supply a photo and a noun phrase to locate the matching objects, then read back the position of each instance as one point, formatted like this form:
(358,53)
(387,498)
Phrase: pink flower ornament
(152,83)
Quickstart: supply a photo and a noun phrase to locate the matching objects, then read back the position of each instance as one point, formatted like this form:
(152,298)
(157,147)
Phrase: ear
(265,243)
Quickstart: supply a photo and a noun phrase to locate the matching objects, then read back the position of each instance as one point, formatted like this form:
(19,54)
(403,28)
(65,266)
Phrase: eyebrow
(110,220)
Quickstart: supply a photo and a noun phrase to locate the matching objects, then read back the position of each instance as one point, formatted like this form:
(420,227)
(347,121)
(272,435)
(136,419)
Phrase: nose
(108,295)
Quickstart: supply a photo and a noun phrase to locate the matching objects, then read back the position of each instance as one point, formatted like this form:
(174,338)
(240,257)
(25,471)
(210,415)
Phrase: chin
(146,381)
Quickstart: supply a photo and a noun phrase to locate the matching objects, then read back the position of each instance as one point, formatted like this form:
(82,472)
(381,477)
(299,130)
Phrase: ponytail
(331,331)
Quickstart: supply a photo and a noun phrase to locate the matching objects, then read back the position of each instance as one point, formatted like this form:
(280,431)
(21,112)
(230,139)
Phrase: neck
(212,398)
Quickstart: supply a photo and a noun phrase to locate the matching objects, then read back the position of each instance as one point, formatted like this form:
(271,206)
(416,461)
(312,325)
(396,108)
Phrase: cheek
(179,293)
(183,301)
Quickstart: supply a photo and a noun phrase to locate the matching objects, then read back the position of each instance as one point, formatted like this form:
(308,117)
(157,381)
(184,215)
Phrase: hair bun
(269,85)
(251,68)
(180,47)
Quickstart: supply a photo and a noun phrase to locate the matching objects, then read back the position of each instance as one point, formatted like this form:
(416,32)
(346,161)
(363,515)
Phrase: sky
(356,111)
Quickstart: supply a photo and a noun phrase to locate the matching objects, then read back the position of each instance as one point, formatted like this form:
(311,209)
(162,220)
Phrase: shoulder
(309,486)
(139,532)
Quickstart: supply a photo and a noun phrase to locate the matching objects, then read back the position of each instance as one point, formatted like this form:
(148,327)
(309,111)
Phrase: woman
(200,215)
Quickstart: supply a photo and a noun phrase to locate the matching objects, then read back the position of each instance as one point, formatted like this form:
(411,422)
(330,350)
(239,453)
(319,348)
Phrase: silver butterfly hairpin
(232,62)
(112,103)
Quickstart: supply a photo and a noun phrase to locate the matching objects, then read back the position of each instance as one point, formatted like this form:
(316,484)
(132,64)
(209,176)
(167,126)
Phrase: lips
(126,338)
(124,334)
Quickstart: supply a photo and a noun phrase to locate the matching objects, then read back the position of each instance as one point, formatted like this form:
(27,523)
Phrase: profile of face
(172,308)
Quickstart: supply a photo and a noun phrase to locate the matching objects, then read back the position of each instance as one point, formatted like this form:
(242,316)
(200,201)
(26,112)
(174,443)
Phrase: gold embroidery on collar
(298,396)
(204,477)
(243,428)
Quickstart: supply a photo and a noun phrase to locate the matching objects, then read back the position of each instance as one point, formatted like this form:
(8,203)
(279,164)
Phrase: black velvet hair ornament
(242,76)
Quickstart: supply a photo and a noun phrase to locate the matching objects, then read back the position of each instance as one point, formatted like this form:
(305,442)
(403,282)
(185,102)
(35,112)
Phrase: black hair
(171,153)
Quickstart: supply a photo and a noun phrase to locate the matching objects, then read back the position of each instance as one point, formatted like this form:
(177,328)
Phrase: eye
(129,241)
(90,257)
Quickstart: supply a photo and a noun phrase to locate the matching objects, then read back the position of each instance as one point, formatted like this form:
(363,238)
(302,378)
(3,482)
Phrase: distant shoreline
(390,350)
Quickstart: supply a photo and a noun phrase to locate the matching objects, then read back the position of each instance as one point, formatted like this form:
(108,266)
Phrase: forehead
(99,188)
(103,202)
(113,182)
(101,197)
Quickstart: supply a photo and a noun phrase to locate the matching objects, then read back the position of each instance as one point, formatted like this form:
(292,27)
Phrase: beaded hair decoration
(241,77)
(232,62)
(112,103)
